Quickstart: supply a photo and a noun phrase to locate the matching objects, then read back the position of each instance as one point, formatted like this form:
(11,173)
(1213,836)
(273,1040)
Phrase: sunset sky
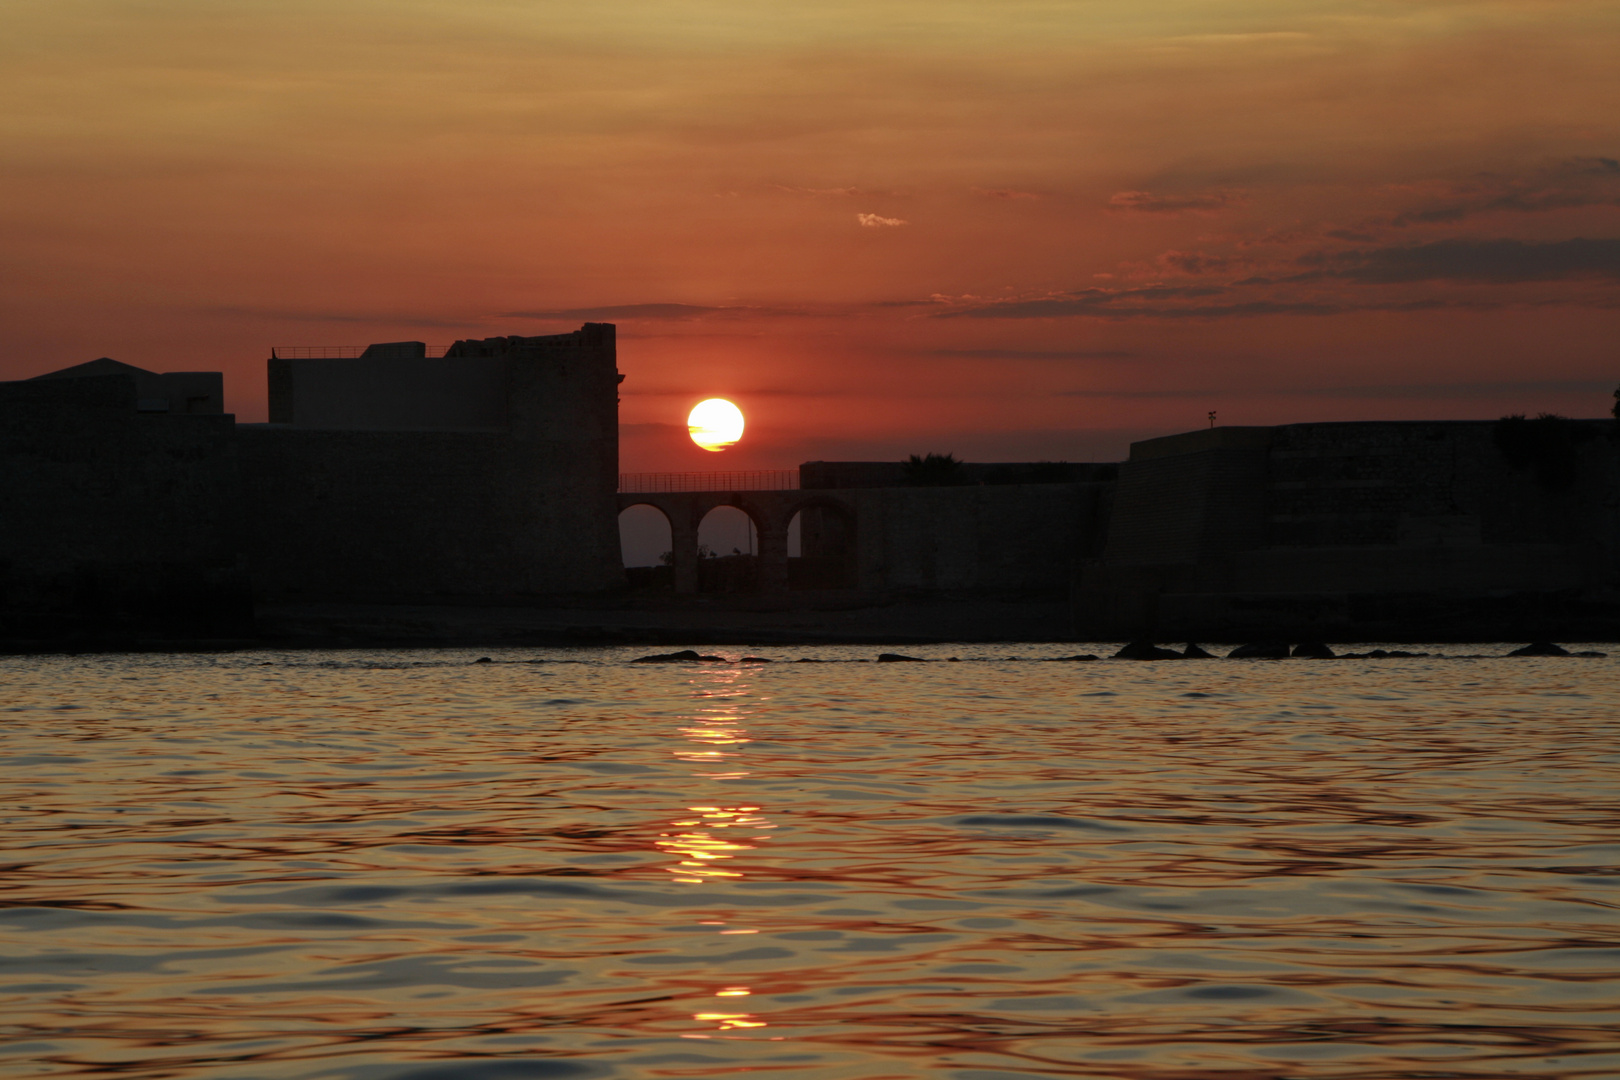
(1017,230)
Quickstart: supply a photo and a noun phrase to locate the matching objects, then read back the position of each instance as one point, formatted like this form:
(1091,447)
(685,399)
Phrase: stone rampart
(116,519)
(1350,528)
(1016,537)
(378,496)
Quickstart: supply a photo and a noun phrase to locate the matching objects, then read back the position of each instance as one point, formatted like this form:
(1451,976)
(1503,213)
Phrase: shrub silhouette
(934,470)
(1546,444)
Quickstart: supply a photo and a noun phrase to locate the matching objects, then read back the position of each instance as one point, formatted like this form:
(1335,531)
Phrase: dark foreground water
(381,865)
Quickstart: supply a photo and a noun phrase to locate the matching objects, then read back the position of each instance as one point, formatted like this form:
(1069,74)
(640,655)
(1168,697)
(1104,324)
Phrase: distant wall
(996,537)
(1025,536)
(363,512)
(413,515)
(838,475)
(115,519)
(1348,528)
(383,393)
(834,475)
(192,392)
(1188,498)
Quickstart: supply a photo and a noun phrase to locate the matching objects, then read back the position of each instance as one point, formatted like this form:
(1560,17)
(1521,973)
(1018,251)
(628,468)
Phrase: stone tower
(487,473)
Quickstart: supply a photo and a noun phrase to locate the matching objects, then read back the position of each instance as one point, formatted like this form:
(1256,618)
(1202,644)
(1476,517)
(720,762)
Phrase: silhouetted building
(120,505)
(489,472)
(130,500)
(1457,528)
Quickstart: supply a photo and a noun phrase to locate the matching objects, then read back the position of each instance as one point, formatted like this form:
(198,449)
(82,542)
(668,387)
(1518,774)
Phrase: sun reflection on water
(289,867)
(700,841)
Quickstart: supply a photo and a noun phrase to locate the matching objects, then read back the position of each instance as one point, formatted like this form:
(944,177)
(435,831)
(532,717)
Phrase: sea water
(381,865)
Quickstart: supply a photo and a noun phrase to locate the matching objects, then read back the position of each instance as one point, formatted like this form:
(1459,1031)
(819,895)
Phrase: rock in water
(896,658)
(1194,652)
(685,656)
(1260,650)
(1146,650)
(1540,648)
(1313,650)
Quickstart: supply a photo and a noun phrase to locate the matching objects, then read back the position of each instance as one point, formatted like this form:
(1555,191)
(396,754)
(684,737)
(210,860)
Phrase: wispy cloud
(1212,303)
(874,221)
(1146,202)
(1497,261)
(1037,354)
(1392,391)
(1571,183)
(824,193)
(1003,193)
(376,318)
(678,312)
(627,311)
(1195,262)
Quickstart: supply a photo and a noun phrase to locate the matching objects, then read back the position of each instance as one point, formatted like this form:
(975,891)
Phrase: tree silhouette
(934,470)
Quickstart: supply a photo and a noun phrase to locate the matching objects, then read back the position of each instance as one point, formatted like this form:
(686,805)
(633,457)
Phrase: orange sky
(1013,230)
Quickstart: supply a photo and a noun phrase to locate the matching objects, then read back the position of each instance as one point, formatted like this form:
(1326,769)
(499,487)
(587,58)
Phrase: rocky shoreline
(735,621)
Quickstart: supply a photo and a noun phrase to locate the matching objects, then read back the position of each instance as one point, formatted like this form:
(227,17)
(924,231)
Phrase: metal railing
(336,352)
(652,483)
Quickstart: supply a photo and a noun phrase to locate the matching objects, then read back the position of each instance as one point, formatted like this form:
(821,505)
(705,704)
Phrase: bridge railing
(757,480)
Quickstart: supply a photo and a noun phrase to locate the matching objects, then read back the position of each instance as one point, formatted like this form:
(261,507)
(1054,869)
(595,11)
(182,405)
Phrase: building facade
(131,500)
(489,472)
(1360,529)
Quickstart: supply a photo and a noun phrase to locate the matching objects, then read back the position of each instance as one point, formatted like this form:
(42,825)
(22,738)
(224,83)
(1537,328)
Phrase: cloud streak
(669,312)
(824,193)
(875,221)
(1570,184)
(1465,260)
(362,317)
(1037,354)
(1387,392)
(1146,202)
(1131,304)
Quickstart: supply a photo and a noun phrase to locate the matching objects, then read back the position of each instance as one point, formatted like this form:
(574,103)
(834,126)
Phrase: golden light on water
(715,424)
(701,850)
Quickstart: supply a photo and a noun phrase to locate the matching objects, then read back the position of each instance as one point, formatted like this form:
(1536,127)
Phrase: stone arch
(771,512)
(647,556)
(729,548)
(828,544)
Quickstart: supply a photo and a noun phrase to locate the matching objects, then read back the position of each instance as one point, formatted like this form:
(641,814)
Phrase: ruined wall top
(591,335)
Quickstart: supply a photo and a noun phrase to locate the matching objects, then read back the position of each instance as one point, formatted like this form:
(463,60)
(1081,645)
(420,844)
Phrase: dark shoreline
(742,620)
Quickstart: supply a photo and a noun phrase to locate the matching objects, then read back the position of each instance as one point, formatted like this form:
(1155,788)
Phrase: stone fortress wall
(1003,537)
(130,499)
(116,510)
(489,475)
(1316,529)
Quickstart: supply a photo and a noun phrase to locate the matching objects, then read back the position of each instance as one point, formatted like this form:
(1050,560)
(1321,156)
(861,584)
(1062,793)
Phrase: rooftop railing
(759,480)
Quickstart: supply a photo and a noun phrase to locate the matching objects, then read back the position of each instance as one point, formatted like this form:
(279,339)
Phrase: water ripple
(410,866)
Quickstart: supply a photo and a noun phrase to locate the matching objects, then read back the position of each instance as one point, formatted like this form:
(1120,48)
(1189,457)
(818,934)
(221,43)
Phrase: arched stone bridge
(771,511)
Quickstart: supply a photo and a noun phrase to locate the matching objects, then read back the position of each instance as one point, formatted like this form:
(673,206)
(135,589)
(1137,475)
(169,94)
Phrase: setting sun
(715,424)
